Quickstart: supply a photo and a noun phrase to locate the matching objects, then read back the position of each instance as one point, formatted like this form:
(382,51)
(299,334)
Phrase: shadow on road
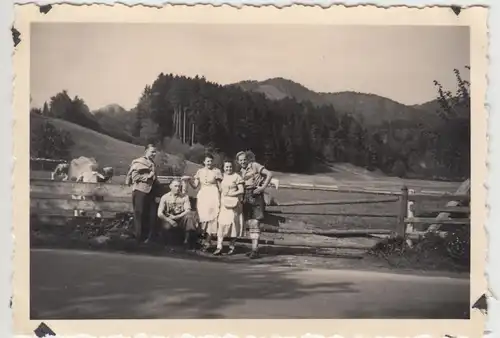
(99,286)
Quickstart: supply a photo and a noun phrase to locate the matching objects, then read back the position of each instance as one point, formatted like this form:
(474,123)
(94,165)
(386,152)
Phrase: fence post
(403,210)
(409,214)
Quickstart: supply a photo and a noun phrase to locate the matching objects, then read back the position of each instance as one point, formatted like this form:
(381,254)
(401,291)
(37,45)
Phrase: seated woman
(175,211)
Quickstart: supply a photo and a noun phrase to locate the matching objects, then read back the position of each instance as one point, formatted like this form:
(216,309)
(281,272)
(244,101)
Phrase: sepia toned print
(237,168)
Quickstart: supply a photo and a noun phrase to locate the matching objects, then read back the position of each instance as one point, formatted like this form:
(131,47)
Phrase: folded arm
(238,192)
(137,176)
(269,176)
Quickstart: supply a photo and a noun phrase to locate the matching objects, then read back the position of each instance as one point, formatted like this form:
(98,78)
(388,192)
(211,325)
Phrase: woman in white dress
(208,198)
(230,215)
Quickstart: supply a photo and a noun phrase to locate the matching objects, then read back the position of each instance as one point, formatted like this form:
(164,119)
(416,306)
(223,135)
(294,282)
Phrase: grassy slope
(106,150)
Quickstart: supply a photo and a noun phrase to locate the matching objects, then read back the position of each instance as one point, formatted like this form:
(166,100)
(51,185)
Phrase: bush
(174,146)
(399,169)
(196,153)
(430,252)
(170,165)
(47,141)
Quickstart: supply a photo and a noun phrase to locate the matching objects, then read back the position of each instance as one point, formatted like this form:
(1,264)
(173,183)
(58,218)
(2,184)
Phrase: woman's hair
(228,160)
(210,156)
(240,153)
(149,145)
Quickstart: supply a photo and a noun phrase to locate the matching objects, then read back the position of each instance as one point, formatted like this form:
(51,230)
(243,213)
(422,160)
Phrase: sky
(110,63)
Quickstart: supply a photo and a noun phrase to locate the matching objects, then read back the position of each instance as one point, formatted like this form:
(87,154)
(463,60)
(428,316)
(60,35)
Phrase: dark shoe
(253,255)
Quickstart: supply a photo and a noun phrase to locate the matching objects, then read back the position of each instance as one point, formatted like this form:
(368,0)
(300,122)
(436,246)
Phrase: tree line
(287,135)
(294,136)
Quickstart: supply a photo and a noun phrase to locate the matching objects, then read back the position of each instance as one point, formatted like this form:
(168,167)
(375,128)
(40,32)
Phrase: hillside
(370,109)
(279,88)
(117,122)
(107,150)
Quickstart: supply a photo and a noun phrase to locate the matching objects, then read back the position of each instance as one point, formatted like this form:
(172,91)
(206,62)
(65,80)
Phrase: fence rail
(52,201)
(407,220)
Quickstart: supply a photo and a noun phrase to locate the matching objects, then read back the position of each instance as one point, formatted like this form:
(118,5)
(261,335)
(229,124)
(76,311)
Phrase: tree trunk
(174,124)
(184,127)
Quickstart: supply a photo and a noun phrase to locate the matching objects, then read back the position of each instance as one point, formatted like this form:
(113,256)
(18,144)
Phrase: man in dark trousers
(143,178)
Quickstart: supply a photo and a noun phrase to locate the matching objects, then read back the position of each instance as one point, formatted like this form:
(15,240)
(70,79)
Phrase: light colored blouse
(208,177)
(230,183)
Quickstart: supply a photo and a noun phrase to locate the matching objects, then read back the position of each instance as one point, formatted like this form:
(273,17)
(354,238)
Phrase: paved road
(93,285)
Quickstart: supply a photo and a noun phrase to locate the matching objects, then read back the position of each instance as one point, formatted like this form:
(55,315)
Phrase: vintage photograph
(249,171)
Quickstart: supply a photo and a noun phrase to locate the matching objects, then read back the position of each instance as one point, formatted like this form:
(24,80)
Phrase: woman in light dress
(208,198)
(230,215)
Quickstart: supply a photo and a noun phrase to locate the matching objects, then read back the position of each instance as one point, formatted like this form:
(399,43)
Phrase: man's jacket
(138,175)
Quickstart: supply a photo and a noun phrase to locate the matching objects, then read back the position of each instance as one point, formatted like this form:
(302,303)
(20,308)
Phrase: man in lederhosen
(256,178)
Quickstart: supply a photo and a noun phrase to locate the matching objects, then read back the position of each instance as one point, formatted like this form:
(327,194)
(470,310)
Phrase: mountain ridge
(370,108)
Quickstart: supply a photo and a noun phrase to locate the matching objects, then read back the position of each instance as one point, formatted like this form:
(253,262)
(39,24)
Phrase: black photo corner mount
(16,36)
(481,304)
(45,8)
(43,331)
(456,9)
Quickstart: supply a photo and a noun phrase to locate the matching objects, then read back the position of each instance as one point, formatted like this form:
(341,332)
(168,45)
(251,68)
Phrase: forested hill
(289,135)
(290,129)
(369,109)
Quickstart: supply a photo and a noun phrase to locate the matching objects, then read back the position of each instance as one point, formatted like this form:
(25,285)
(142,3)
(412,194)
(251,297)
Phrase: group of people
(228,202)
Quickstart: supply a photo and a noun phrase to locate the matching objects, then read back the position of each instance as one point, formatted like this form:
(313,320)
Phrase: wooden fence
(409,204)
(55,202)
(412,203)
